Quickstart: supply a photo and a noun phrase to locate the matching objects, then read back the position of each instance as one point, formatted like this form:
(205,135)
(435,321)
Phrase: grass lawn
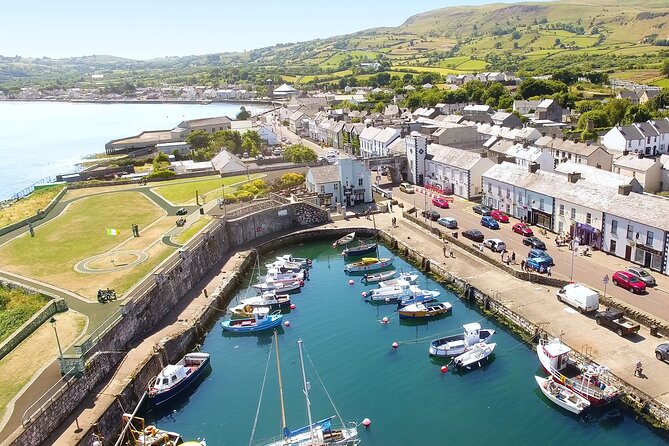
(473,65)
(191,230)
(16,307)
(184,192)
(40,348)
(79,232)
(26,207)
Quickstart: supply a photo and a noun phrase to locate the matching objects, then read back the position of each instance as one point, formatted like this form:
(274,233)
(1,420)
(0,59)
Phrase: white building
(367,141)
(455,171)
(383,139)
(348,182)
(169,147)
(648,171)
(648,138)
(416,149)
(525,155)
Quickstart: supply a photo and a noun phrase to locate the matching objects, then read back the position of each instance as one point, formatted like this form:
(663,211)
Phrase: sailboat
(319,433)
(369,263)
(354,251)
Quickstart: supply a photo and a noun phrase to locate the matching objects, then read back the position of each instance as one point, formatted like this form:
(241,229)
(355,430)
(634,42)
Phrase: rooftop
(568,146)
(325,174)
(633,162)
(203,122)
(451,156)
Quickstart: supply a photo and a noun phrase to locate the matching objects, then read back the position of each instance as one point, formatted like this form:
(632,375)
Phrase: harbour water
(42,139)
(402,391)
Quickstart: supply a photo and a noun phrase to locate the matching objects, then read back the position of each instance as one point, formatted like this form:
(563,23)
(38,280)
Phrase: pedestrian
(390,206)
(502,256)
(638,371)
(394,222)
(522,264)
(451,253)
(31,229)
(444,250)
(548,271)
(481,247)
(513,257)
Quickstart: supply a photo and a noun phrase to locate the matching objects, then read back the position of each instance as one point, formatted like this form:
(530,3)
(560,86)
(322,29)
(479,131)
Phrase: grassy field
(183,192)
(193,229)
(651,77)
(78,233)
(16,307)
(28,206)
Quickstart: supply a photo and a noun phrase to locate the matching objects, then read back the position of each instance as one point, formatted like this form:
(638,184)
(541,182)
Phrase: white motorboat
(348,238)
(368,264)
(421,310)
(276,274)
(278,285)
(418,295)
(412,278)
(475,356)
(302,261)
(562,396)
(458,344)
(378,277)
(284,266)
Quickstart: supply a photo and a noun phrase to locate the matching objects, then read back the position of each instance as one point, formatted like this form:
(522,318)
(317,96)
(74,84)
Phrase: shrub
(250,188)
(243,196)
(230,198)
(163,173)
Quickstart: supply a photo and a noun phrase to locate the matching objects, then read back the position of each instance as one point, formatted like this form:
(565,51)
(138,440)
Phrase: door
(647,258)
(613,246)
(628,252)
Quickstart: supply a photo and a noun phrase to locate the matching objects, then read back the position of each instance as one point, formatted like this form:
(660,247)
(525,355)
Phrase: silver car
(642,274)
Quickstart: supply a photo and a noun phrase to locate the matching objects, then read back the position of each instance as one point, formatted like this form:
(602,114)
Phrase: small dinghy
(418,296)
(261,320)
(458,344)
(412,278)
(474,357)
(562,396)
(368,264)
(175,378)
(268,299)
(378,277)
(348,238)
(424,310)
(360,250)
(288,258)
(285,286)
(276,274)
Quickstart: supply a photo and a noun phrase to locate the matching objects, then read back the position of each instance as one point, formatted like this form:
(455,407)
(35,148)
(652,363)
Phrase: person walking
(31,229)
(548,271)
(451,253)
(513,257)
(638,370)
(444,250)
(522,264)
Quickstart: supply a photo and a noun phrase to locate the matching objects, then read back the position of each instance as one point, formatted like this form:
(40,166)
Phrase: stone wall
(35,217)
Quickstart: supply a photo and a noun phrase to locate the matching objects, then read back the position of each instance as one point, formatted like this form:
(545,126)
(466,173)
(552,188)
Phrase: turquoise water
(42,139)
(403,392)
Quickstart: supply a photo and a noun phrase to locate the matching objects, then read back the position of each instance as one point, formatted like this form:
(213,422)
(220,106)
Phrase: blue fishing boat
(261,320)
(175,378)
(422,296)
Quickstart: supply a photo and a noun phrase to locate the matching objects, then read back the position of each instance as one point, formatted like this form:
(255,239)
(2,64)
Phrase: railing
(28,190)
(42,404)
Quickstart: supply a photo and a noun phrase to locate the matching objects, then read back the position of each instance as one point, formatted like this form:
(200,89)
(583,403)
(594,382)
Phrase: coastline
(149,101)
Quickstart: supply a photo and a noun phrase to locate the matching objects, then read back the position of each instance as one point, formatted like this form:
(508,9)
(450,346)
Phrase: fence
(44,402)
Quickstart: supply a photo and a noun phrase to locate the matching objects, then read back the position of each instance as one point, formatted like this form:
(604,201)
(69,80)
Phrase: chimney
(564,137)
(626,152)
(554,136)
(640,155)
(624,189)
(587,143)
(573,177)
(544,134)
(532,168)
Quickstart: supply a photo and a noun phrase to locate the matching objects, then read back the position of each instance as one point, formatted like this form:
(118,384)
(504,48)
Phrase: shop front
(648,257)
(587,235)
(540,218)
(325,199)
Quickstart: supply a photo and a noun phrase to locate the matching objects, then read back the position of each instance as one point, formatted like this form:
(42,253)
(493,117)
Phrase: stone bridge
(397,165)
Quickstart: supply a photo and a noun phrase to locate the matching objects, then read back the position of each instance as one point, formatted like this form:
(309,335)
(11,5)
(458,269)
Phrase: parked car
(431,215)
(473,234)
(495,244)
(440,202)
(489,222)
(642,274)
(662,352)
(245,155)
(499,216)
(522,229)
(182,211)
(276,152)
(534,242)
(449,222)
(483,210)
(540,255)
(628,280)
(406,188)
(615,320)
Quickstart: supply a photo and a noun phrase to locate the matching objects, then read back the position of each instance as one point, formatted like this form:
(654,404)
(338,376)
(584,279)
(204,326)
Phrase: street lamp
(52,321)
(223,199)
(573,251)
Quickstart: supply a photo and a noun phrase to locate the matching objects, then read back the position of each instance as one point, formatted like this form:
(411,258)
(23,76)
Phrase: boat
(589,380)
(378,277)
(284,266)
(348,238)
(288,258)
(417,296)
(562,396)
(285,286)
(261,320)
(268,299)
(368,264)
(458,344)
(474,356)
(424,310)
(360,250)
(277,274)
(319,433)
(412,278)
(243,311)
(175,378)
(137,434)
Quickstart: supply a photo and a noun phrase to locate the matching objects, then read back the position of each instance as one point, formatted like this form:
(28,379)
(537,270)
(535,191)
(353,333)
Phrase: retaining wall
(35,217)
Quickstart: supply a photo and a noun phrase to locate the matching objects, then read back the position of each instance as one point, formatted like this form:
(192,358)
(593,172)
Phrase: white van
(580,297)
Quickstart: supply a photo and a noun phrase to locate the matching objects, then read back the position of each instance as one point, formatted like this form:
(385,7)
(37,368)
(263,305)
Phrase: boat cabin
(472,333)
(558,354)
(170,376)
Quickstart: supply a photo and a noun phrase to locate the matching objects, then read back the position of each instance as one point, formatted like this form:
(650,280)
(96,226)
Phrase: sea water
(44,139)
(402,392)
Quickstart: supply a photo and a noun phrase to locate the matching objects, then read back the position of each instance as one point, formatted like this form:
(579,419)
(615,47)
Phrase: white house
(525,155)
(455,171)
(649,138)
(367,141)
(348,182)
(383,139)
(564,151)
(416,149)
(169,147)
(646,170)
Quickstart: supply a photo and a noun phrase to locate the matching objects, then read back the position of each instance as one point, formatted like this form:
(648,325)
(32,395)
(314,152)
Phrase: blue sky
(142,29)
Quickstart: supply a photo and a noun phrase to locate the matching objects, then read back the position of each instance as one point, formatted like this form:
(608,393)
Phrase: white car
(494,244)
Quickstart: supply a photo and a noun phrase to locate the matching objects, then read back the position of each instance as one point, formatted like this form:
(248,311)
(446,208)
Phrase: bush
(229,198)
(138,162)
(243,196)
(290,179)
(163,173)
(260,184)
(250,188)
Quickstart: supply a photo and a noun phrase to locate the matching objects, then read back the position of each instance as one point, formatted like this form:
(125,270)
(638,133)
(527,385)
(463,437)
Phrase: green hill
(613,35)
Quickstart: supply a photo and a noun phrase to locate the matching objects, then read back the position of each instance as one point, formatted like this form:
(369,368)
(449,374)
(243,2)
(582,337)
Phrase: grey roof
(325,174)
(205,122)
(568,146)
(227,162)
(501,146)
(630,132)
(633,162)
(627,94)
(592,174)
(463,159)
(399,146)
(650,94)
(387,134)
(647,129)
(545,103)
(369,133)
(295,116)
(662,125)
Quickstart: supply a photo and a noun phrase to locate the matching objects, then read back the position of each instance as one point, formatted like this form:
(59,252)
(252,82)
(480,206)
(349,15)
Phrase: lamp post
(573,251)
(606,281)
(52,321)
(223,198)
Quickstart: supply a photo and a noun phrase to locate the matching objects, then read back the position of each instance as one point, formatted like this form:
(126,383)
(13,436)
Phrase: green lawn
(78,233)
(16,307)
(26,207)
(184,192)
(473,65)
(193,229)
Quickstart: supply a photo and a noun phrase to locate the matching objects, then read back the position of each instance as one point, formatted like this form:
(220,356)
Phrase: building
(525,107)
(504,119)
(565,150)
(548,110)
(144,142)
(367,141)
(209,125)
(265,131)
(348,182)
(455,171)
(416,150)
(649,138)
(456,135)
(646,170)
(169,147)
(631,95)
(526,155)
(285,91)
(648,95)
(477,112)
(599,177)
(226,162)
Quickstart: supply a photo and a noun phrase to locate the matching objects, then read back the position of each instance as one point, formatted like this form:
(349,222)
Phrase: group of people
(526,266)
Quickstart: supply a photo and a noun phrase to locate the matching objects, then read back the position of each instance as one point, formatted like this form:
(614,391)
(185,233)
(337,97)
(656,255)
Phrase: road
(587,270)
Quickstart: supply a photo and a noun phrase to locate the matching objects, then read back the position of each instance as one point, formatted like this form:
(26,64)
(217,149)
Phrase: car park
(642,274)
(522,229)
(481,209)
(495,244)
(534,242)
(662,352)
(541,255)
(449,222)
(407,188)
(473,234)
(431,215)
(440,202)
(489,222)
(628,281)
(499,216)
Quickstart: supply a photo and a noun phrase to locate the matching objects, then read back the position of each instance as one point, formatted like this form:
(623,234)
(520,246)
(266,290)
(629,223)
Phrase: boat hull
(358,251)
(563,397)
(359,267)
(238,326)
(455,345)
(475,357)
(163,397)
(378,277)
(428,312)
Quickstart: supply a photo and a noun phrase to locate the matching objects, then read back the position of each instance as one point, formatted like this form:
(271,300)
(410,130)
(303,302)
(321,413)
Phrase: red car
(499,216)
(440,202)
(523,229)
(629,281)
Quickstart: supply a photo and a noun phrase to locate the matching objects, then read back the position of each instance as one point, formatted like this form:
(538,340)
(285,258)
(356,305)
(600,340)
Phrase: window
(541,204)
(359,181)
(630,231)
(560,227)
(588,218)
(561,210)
(649,238)
(323,189)
(614,226)
(508,193)
(499,190)
(336,186)
(489,188)
(573,213)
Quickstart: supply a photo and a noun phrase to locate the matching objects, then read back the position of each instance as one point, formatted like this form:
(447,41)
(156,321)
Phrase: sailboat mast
(278,367)
(306,389)
(376,236)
